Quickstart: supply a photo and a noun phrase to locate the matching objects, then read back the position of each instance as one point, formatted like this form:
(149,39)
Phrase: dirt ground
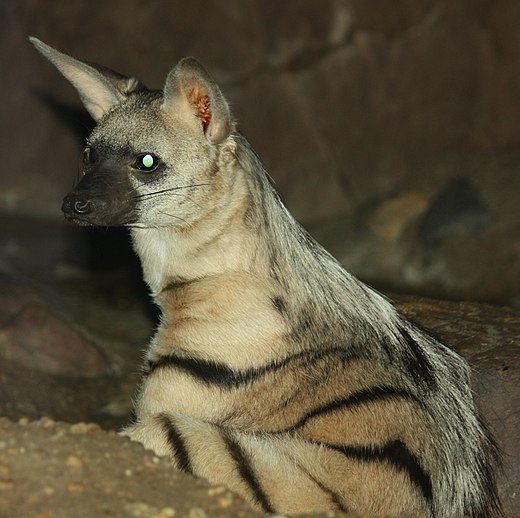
(58,470)
(50,469)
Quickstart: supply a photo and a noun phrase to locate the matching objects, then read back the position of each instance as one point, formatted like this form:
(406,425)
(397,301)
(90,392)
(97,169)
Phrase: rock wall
(390,127)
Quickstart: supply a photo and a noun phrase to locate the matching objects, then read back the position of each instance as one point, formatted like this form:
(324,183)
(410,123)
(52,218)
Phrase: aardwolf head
(153,158)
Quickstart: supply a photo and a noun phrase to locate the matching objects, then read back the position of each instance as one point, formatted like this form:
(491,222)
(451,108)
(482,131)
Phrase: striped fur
(273,370)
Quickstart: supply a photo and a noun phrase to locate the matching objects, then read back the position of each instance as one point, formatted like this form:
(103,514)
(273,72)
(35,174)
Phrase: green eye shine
(147,162)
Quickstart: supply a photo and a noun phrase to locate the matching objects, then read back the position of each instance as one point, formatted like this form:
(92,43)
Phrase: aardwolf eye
(146,162)
(90,155)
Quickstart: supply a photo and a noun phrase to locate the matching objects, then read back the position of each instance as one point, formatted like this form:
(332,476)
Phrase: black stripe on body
(219,374)
(177,283)
(397,455)
(177,444)
(244,467)
(417,362)
(334,497)
(362,397)
(279,304)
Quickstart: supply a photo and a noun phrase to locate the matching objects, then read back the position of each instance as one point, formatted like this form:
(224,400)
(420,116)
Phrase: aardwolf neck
(224,239)
(251,232)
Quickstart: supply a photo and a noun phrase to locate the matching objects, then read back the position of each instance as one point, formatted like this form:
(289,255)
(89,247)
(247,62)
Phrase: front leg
(278,472)
(255,466)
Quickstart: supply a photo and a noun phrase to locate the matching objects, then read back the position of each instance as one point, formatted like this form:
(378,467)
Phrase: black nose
(74,204)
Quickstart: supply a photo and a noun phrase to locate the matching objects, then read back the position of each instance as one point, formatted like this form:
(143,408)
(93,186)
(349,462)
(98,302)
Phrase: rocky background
(391,127)
(392,130)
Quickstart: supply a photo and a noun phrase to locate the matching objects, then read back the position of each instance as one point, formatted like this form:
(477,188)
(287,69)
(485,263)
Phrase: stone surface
(38,340)
(69,372)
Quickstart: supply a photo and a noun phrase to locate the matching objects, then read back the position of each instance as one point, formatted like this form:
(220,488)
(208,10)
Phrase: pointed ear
(99,88)
(191,93)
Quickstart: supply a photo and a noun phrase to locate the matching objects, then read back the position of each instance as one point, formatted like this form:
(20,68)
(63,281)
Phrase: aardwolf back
(273,370)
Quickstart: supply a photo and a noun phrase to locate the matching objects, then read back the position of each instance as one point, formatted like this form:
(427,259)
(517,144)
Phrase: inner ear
(191,93)
(199,98)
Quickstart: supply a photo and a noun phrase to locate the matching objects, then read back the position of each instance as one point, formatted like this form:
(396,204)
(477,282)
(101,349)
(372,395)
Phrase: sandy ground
(50,469)
(58,470)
